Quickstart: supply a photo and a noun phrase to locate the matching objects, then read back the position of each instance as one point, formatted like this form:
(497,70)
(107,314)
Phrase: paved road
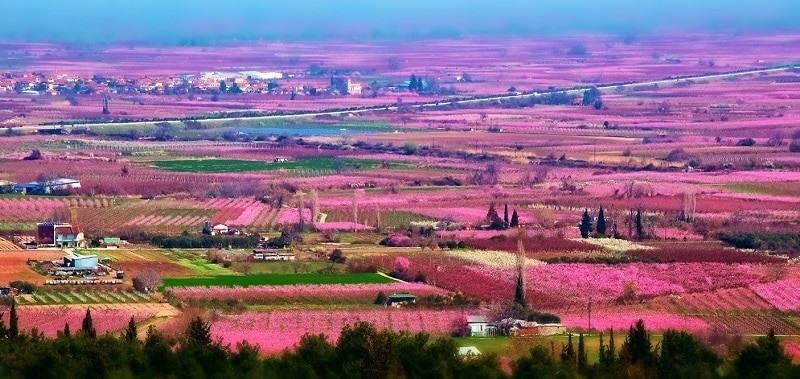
(433,104)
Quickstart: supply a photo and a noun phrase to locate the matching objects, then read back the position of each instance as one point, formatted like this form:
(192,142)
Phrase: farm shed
(61,235)
(535,329)
(219,229)
(478,326)
(85,262)
(398,299)
(468,351)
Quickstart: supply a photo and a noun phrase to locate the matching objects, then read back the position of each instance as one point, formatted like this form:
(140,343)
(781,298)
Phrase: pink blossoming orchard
(633,185)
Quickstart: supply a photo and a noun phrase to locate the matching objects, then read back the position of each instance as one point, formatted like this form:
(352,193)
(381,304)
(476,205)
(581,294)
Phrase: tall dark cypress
(505,214)
(583,363)
(13,321)
(514,219)
(87,327)
(601,222)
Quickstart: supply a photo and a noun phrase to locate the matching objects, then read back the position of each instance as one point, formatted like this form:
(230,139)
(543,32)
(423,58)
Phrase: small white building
(219,229)
(468,351)
(478,326)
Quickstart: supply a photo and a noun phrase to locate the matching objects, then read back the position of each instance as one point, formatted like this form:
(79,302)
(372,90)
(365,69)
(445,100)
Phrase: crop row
(83,297)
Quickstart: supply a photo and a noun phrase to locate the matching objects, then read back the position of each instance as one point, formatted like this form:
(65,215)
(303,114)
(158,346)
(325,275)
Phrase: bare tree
(147,280)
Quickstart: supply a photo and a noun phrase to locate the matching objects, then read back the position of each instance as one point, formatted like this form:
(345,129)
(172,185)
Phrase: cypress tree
(611,353)
(582,358)
(67,331)
(601,222)
(505,214)
(131,333)
(639,225)
(223,87)
(601,355)
(412,86)
(87,328)
(13,321)
(568,352)
(514,219)
(586,225)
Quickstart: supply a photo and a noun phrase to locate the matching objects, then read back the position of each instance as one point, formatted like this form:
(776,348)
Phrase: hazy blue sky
(173,21)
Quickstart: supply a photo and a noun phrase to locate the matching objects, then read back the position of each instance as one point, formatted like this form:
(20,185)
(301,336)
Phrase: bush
(361,267)
(746,142)
(380,299)
(24,287)
(337,256)
(678,155)
(794,146)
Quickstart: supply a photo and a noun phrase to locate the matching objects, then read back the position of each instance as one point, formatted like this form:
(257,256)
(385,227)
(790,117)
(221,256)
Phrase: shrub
(746,142)
(380,299)
(678,155)
(22,286)
(337,256)
(794,146)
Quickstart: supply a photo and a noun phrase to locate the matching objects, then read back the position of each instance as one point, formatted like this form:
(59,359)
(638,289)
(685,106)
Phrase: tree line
(362,351)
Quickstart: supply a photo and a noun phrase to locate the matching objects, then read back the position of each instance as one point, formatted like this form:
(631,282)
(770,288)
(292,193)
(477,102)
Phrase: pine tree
(13,321)
(223,87)
(586,225)
(639,225)
(67,331)
(582,358)
(637,347)
(505,214)
(199,332)
(514,219)
(568,352)
(412,86)
(87,327)
(601,222)
(131,333)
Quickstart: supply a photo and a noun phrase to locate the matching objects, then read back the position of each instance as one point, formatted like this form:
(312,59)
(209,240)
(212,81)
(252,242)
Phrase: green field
(276,280)
(236,165)
(286,267)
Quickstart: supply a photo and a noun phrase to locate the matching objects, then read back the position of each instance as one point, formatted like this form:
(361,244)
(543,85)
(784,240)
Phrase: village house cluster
(212,82)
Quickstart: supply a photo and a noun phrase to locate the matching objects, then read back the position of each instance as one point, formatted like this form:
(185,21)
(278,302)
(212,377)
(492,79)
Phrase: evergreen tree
(13,320)
(199,332)
(235,88)
(568,352)
(601,352)
(611,353)
(637,347)
(131,333)
(583,363)
(519,292)
(491,214)
(87,327)
(586,225)
(682,356)
(505,214)
(412,86)
(67,331)
(223,87)
(601,222)
(639,225)
(764,359)
(514,219)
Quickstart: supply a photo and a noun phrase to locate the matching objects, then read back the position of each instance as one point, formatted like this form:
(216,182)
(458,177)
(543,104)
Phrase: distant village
(318,82)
